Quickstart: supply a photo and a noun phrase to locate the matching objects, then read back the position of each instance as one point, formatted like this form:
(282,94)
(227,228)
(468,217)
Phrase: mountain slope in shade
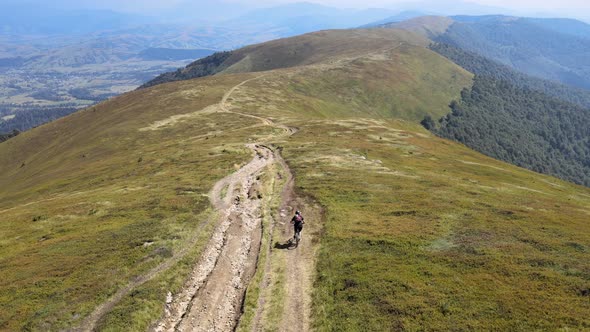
(527,47)
(563,25)
(173,54)
(485,67)
(545,48)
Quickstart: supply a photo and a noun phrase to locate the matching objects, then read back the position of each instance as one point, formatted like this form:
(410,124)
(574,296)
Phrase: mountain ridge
(117,203)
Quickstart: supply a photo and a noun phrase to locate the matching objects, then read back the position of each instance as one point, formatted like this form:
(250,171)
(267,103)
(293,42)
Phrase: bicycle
(297,221)
(297,238)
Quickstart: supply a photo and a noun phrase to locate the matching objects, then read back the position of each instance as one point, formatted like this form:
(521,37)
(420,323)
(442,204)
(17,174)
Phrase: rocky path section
(298,263)
(212,296)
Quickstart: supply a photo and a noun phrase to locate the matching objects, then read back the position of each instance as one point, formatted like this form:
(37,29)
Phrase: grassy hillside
(418,232)
(90,202)
(289,52)
(423,234)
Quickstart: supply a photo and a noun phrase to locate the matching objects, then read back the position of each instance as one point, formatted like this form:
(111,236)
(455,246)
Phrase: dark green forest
(5,137)
(200,68)
(527,128)
(482,66)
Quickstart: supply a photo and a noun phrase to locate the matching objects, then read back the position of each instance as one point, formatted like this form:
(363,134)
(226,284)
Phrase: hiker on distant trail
(297,222)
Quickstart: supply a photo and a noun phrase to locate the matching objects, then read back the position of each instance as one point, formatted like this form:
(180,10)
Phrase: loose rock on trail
(212,297)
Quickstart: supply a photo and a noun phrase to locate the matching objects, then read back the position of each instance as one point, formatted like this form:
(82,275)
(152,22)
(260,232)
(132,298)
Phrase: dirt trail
(298,264)
(212,296)
(300,261)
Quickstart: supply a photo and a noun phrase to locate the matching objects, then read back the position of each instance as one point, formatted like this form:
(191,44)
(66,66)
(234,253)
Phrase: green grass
(137,311)
(420,233)
(411,83)
(420,238)
(79,225)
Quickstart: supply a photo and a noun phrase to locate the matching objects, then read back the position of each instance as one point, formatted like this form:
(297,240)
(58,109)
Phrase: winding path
(212,297)
(213,294)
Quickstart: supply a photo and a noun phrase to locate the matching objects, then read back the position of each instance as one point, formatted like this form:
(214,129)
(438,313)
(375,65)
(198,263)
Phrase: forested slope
(523,127)
(203,67)
(30,117)
(5,137)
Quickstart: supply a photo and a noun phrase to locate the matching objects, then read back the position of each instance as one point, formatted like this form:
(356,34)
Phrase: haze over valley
(59,57)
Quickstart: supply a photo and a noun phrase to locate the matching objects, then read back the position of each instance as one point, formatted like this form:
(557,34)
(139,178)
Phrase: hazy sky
(511,4)
(579,8)
(516,4)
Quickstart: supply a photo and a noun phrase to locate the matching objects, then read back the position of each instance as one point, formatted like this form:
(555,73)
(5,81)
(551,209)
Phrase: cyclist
(297,222)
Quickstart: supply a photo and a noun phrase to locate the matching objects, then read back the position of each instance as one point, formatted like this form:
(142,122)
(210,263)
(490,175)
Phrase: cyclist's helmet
(297,212)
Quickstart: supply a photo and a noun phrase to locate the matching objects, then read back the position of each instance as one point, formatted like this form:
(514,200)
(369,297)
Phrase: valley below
(37,93)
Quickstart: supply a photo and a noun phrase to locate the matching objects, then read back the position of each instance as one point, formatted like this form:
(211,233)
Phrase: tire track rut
(212,297)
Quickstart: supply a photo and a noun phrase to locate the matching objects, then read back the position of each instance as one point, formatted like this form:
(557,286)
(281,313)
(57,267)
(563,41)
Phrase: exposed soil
(212,296)
(300,261)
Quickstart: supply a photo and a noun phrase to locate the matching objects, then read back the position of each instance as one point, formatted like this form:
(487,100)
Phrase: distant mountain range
(26,19)
(553,49)
(56,61)
(305,17)
(529,104)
